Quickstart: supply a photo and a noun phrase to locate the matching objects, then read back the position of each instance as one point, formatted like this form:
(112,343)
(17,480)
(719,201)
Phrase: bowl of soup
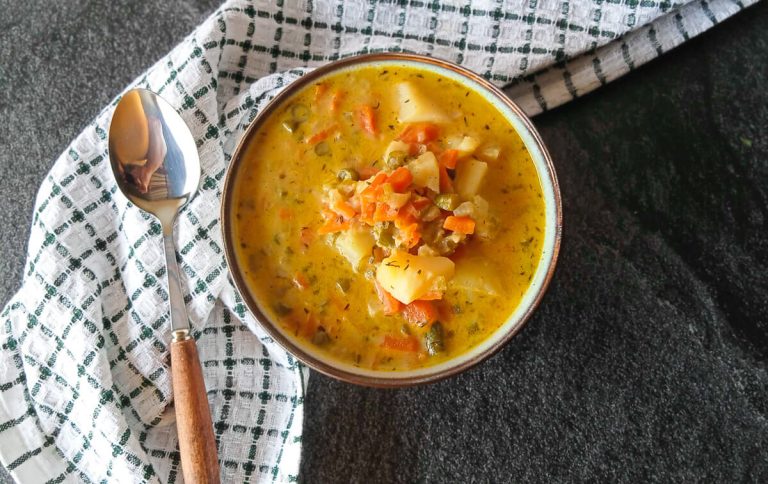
(391,219)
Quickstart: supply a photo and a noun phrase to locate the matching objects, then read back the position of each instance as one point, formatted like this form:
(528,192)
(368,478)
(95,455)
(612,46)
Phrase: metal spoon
(156,165)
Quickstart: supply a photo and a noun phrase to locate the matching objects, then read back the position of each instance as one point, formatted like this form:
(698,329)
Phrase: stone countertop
(647,358)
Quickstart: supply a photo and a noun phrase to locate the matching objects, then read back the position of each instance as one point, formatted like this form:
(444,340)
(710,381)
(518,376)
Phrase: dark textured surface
(60,64)
(647,358)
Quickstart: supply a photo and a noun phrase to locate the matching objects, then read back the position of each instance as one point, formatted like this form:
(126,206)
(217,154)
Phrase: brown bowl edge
(254,307)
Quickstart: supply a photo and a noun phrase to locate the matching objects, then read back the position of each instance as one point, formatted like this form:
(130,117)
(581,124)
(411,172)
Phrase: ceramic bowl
(532,296)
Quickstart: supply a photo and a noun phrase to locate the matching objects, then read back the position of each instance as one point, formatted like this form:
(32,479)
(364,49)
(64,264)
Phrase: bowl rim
(265,322)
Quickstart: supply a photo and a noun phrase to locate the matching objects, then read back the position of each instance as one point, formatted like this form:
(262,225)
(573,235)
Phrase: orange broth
(302,281)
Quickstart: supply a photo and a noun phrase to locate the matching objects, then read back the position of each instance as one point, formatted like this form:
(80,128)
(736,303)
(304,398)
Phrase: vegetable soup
(388,217)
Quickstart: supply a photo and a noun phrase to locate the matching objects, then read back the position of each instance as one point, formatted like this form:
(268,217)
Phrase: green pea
(348,174)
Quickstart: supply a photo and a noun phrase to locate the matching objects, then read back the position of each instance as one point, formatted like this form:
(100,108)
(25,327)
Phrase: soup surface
(388,217)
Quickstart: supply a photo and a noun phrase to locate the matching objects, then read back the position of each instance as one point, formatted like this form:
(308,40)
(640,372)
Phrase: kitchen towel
(85,391)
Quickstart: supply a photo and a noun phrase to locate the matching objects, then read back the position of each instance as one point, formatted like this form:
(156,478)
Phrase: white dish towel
(84,381)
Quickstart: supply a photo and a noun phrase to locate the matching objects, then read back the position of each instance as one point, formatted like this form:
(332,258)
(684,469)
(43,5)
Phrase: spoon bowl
(153,155)
(156,166)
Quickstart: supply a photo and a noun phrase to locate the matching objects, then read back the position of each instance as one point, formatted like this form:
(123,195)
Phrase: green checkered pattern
(85,390)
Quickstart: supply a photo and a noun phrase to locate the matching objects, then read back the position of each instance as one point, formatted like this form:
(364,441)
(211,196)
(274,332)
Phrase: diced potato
(489,152)
(407,277)
(395,146)
(417,107)
(425,171)
(394,200)
(469,176)
(475,275)
(425,250)
(453,142)
(482,217)
(467,146)
(465,209)
(355,246)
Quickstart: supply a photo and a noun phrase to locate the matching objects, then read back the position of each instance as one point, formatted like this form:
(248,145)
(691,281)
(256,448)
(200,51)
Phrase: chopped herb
(434,339)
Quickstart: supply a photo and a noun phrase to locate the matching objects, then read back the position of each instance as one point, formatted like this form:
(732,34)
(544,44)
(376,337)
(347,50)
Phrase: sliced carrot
(284,213)
(408,344)
(344,209)
(367,119)
(306,236)
(410,234)
(420,312)
(462,225)
(448,158)
(373,191)
(420,203)
(407,215)
(320,89)
(384,213)
(400,179)
(446,184)
(380,179)
(367,171)
(333,225)
(321,135)
(367,212)
(419,133)
(391,305)
(336,100)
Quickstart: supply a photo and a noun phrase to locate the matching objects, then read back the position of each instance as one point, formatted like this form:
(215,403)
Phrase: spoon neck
(179,318)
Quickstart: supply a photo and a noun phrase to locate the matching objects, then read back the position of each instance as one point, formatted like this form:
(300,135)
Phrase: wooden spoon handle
(199,460)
